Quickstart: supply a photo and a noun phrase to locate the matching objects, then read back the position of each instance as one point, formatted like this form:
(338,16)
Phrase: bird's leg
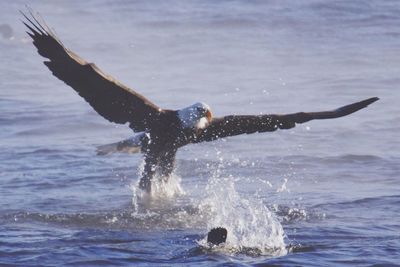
(167,164)
(150,164)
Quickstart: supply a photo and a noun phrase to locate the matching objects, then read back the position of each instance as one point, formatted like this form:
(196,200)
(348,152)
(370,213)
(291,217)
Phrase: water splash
(163,193)
(283,187)
(252,227)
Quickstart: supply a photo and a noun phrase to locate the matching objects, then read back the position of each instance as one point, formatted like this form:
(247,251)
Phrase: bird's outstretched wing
(247,124)
(111,99)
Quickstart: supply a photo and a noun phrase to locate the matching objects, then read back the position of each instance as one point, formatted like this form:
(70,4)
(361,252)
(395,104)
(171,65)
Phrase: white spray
(252,227)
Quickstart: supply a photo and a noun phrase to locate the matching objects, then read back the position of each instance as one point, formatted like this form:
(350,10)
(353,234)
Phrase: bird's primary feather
(111,99)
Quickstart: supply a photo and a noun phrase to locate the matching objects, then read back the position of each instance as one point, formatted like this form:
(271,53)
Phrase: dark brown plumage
(110,98)
(162,131)
(248,124)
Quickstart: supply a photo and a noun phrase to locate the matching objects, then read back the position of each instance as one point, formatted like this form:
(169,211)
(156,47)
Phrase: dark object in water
(217,236)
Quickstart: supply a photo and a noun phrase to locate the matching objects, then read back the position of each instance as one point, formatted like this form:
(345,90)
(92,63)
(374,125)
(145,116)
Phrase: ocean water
(325,193)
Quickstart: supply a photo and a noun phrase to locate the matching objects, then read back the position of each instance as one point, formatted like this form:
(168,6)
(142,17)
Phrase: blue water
(325,193)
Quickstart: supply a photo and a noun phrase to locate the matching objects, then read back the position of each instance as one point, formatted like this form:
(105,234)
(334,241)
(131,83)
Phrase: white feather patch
(203,122)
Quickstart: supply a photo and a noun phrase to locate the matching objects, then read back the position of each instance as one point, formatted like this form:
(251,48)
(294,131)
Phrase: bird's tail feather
(130,145)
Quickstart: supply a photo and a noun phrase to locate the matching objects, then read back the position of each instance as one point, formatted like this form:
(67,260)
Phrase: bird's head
(196,116)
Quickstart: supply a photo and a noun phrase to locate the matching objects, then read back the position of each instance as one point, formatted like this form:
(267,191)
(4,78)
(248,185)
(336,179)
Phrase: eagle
(160,132)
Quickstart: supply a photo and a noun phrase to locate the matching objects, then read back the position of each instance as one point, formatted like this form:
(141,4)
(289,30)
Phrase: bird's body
(161,132)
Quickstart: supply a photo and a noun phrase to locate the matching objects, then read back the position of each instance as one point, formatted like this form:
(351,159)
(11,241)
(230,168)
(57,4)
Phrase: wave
(125,219)
(289,214)
(392,201)
(161,215)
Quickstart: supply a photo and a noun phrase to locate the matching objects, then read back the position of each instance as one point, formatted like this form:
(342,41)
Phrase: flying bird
(160,132)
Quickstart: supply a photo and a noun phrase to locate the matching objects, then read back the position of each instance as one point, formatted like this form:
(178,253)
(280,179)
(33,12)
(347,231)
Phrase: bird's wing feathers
(111,99)
(247,124)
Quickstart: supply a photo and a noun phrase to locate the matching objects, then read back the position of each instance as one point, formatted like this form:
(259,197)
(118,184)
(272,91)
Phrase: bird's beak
(209,116)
